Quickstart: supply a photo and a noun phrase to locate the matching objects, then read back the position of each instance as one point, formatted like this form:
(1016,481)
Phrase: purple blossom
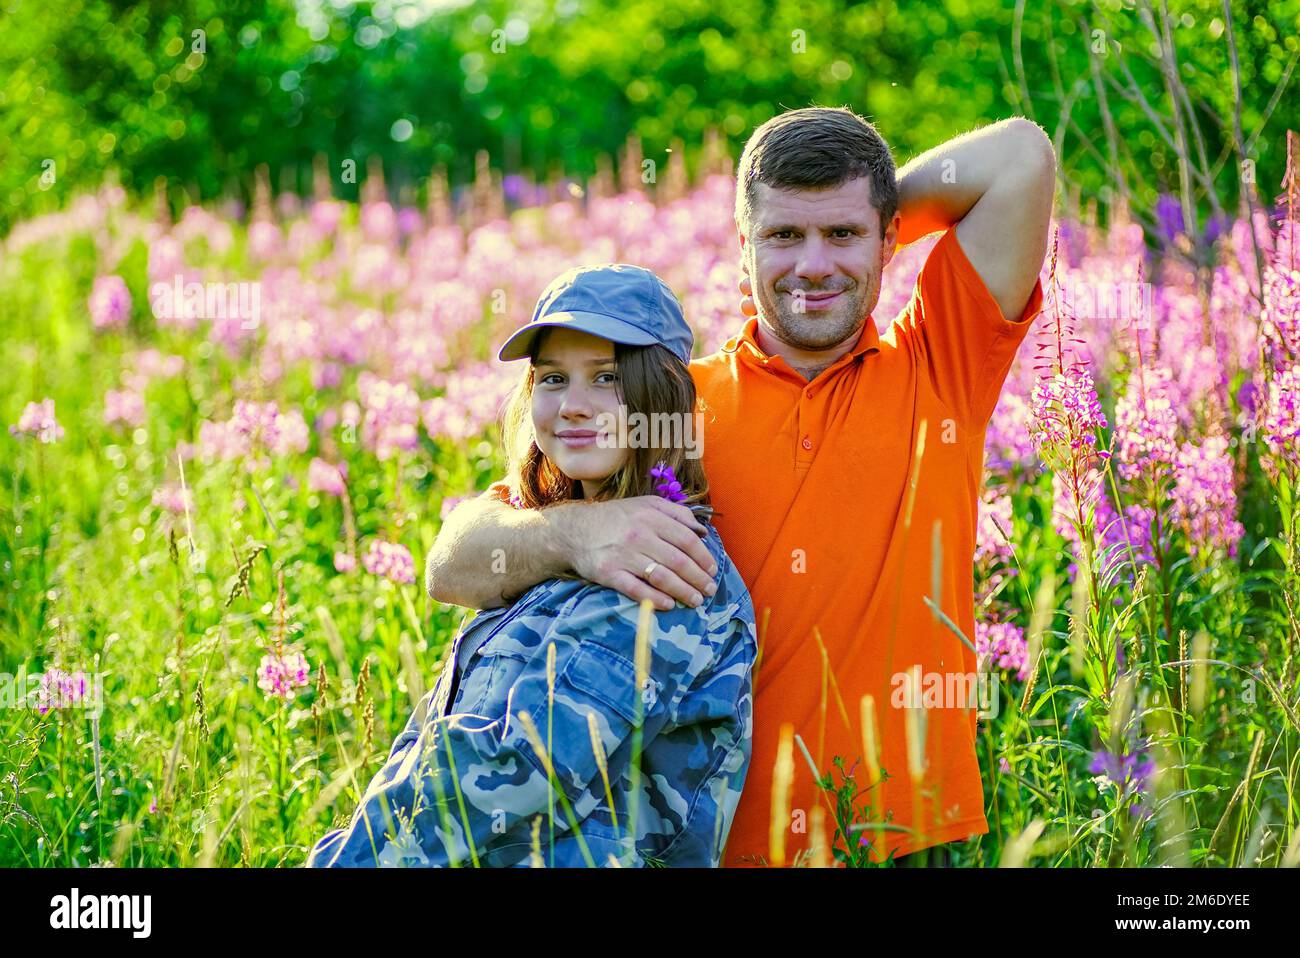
(1280,318)
(344,562)
(667,486)
(1205,496)
(1281,426)
(1003,644)
(471,400)
(38,420)
(265,241)
(326,477)
(392,560)
(281,673)
(1132,772)
(173,498)
(1169,217)
(1146,425)
(253,431)
(60,690)
(1066,415)
(124,406)
(392,414)
(110,302)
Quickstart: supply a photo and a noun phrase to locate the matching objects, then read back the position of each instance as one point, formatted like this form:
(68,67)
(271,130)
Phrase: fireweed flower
(1133,774)
(38,420)
(1002,644)
(1146,424)
(109,303)
(265,241)
(1205,496)
(667,486)
(471,400)
(326,477)
(392,414)
(392,560)
(1280,317)
(1281,417)
(125,406)
(253,431)
(1066,415)
(172,498)
(60,690)
(282,672)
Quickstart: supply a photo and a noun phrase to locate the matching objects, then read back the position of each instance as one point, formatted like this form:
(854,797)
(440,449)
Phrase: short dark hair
(816,148)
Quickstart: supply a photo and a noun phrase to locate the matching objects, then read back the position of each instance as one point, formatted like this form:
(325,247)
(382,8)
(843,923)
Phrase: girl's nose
(576,402)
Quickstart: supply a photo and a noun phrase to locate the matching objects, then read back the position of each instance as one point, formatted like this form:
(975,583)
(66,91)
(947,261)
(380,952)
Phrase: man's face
(815,258)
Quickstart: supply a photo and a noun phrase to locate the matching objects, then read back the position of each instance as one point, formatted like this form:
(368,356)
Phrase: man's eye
(848,232)
(783,234)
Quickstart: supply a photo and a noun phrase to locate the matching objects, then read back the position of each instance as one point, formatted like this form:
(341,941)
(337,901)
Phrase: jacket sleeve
(501,777)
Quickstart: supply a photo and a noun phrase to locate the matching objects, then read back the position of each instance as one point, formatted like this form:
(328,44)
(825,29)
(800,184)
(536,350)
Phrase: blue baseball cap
(621,303)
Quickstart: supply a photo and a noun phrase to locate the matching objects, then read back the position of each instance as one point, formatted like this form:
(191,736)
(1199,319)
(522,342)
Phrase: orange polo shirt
(812,483)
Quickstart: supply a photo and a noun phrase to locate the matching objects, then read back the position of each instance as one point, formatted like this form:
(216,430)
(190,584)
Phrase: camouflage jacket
(465,740)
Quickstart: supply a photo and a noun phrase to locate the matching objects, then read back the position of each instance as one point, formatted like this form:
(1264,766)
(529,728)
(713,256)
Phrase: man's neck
(808,363)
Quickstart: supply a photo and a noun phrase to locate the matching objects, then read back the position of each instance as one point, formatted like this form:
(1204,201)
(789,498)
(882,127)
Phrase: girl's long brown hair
(651,379)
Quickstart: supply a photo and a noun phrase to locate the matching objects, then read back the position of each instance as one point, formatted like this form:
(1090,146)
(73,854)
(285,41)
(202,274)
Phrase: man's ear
(890,241)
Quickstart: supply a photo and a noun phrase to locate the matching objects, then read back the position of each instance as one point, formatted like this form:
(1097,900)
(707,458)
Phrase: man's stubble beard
(809,332)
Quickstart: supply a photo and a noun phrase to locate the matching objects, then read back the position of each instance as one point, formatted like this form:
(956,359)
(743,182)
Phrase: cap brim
(597,324)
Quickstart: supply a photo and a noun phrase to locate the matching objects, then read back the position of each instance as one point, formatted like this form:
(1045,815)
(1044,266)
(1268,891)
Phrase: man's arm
(997,185)
(489,552)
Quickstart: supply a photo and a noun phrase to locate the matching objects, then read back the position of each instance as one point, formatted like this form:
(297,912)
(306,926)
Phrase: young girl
(552,736)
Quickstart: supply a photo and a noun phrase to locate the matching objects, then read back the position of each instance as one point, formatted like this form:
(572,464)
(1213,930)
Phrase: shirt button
(807,443)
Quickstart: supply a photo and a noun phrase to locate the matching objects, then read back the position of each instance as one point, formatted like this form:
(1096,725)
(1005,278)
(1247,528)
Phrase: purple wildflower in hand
(667,485)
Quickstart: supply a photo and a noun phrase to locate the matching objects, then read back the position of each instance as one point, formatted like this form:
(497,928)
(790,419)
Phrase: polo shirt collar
(745,343)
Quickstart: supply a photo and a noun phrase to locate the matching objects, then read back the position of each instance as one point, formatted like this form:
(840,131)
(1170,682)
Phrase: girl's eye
(613,377)
(547,379)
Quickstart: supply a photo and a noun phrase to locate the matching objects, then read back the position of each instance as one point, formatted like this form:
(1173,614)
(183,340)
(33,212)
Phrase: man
(845,466)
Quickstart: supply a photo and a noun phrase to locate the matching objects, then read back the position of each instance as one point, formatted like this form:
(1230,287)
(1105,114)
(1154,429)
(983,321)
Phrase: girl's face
(576,406)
